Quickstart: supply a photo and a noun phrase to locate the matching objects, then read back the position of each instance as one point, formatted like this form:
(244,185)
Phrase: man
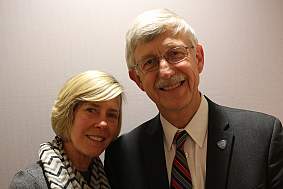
(222,147)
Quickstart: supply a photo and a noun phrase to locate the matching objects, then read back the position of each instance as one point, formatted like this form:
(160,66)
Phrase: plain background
(44,42)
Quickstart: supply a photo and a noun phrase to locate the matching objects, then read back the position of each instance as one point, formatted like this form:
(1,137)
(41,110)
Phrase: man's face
(173,87)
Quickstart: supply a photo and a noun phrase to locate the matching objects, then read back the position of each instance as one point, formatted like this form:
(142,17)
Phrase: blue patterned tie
(180,175)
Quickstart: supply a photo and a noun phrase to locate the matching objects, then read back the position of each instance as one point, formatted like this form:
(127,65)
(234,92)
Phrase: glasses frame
(138,67)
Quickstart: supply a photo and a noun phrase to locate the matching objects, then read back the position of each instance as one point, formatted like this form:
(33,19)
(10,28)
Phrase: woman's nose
(101,124)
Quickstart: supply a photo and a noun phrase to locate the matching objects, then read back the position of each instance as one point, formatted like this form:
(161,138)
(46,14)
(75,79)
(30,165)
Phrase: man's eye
(175,54)
(148,63)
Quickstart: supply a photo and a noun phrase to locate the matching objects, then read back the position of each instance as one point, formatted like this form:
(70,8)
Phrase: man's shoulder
(240,116)
(29,177)
(138,134)
(234,111)
(246,113)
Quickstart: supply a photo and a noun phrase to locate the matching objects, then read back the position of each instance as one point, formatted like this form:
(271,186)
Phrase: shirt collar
(196,128)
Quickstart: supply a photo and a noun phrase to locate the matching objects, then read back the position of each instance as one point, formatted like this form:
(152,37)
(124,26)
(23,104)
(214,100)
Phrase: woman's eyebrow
(114,110)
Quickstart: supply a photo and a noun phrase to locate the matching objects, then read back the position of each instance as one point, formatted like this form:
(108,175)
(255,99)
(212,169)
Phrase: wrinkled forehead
(161,43)
(185,37)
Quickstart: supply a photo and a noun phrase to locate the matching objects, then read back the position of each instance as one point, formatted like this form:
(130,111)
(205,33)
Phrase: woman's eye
(91,110)
(113,115)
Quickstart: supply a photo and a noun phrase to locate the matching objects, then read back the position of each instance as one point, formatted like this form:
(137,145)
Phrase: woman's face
(95,125)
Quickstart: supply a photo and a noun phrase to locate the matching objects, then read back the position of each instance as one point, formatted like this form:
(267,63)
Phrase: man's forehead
(159,44)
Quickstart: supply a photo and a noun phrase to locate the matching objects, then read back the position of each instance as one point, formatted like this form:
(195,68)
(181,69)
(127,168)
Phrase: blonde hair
(152,23)
(90,86)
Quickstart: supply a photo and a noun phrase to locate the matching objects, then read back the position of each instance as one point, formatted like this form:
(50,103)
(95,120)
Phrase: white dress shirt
(195,146)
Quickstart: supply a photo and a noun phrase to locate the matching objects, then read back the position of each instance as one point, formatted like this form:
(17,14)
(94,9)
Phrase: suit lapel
(219,148)
(218,158)
(154,156)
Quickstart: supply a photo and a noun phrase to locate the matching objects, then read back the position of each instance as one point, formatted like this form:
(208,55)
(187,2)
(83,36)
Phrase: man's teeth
(96,138)
(169,87)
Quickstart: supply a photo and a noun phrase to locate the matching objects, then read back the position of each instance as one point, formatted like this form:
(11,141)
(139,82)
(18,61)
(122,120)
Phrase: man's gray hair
(151,24)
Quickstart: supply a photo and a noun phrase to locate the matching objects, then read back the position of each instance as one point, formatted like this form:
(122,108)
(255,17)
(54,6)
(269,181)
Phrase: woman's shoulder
(30,177)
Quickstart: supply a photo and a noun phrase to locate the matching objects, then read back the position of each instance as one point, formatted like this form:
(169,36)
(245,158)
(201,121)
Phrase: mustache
(173,80)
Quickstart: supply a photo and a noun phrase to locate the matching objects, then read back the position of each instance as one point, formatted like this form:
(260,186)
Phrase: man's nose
(165,69)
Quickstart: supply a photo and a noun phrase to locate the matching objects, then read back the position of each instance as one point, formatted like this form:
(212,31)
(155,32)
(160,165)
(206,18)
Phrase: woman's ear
(136,78)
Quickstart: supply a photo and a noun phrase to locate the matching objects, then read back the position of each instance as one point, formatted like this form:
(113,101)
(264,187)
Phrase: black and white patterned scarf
(59,171)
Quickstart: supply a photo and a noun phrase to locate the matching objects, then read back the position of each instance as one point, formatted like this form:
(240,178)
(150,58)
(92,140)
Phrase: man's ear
(199,57)
(136,78)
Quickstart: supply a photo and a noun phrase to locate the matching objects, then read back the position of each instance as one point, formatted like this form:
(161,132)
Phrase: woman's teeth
(96,138)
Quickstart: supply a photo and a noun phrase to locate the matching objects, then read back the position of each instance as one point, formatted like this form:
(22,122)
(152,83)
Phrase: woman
(86,117)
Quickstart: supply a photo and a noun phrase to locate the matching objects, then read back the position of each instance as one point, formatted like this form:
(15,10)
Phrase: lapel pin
(222,144)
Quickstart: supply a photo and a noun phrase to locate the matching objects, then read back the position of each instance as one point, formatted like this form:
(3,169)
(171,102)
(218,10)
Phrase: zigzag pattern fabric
(60,174)
(180,175)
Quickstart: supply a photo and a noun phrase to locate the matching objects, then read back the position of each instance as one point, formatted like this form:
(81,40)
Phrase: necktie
(180,175)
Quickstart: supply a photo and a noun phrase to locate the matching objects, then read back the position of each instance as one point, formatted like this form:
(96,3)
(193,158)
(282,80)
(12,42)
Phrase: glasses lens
(149,64)
(172,56)
(176,54)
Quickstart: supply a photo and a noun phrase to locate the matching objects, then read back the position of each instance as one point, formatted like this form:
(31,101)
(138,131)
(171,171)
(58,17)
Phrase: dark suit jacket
(252,159)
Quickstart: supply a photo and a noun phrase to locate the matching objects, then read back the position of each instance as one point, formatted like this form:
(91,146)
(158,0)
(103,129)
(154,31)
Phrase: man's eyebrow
(150,55)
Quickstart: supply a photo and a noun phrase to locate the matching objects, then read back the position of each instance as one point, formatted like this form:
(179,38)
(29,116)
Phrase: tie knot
(180,138)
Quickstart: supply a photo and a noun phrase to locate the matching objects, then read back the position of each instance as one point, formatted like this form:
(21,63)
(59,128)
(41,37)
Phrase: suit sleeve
(110,168)
(275,160)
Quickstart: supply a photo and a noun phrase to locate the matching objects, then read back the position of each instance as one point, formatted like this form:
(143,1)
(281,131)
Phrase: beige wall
(43,42)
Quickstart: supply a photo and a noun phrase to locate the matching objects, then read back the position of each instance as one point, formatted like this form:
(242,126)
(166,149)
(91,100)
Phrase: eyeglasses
(173,56)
